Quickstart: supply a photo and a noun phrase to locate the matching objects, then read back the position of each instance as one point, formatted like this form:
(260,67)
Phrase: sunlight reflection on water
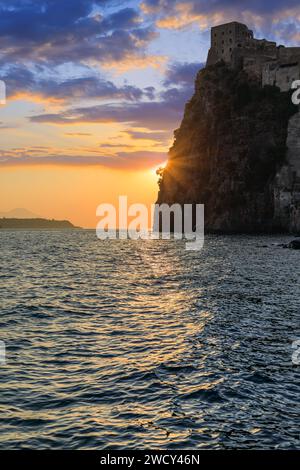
(125,344)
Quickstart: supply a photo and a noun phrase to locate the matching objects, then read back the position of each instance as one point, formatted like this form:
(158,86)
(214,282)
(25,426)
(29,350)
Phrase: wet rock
(294,244)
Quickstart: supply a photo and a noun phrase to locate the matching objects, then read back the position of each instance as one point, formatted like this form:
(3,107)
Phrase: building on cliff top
(225,38)
(234,43)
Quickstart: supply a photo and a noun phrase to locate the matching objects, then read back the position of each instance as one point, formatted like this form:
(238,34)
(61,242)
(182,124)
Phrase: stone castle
(235,44)
(273,65)
(237,150)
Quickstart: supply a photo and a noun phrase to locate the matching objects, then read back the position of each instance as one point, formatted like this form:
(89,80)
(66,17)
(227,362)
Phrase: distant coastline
(35,224)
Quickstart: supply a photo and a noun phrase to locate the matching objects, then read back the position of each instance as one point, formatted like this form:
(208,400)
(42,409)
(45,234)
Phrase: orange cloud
(135,62)
(184,16)
(34,97)
(124,158)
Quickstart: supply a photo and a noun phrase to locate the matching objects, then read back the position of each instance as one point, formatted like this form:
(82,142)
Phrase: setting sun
(158,167)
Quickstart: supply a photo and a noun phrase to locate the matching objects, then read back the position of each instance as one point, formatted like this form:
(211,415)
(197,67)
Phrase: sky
(95,89)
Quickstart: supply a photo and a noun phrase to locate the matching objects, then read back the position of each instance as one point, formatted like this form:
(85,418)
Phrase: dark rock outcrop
(230,153)
(294,245)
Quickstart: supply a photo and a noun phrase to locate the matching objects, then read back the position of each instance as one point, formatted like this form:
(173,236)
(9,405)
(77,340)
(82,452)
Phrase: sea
(123,344)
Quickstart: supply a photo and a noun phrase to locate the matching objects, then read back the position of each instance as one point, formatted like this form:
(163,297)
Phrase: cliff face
(237,151)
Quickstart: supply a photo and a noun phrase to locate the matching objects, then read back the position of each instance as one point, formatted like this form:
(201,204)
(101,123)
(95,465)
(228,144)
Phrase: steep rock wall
(231,154)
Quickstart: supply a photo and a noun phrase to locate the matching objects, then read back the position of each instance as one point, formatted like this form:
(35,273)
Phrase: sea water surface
(142,344)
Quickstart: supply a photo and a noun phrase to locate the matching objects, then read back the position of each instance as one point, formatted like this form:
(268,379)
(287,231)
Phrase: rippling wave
(125,344)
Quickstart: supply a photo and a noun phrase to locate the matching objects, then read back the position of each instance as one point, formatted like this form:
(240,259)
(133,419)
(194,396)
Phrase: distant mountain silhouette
(35,224)
(19,213)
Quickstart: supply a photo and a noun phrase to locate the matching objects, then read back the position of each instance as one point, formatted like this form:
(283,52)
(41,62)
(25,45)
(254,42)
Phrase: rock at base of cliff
(294,244)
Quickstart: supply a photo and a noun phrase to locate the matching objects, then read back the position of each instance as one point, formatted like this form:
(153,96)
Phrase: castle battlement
(234,43)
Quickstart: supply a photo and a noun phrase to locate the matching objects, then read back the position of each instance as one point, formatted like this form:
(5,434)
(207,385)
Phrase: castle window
(222,51)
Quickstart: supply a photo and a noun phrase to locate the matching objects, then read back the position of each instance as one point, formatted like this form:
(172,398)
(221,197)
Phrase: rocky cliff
(237,151)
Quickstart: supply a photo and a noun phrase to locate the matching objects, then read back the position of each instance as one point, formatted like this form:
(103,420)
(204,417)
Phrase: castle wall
(281,75)
(234,43)
(253,58)
(286,75)
(288,54)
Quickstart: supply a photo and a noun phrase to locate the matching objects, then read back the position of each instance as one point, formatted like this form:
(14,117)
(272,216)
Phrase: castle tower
(225,38)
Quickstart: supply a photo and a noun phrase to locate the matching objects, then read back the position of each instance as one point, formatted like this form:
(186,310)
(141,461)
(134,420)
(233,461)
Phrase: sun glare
(157,167)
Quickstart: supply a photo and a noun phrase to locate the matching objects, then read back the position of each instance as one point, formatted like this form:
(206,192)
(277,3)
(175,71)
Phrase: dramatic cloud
(182,74)
(203,7)
(163,113)
(60,53)
(123,160)
(161,137)
(21,82)
(62,31)
(156,115)
(268,17)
